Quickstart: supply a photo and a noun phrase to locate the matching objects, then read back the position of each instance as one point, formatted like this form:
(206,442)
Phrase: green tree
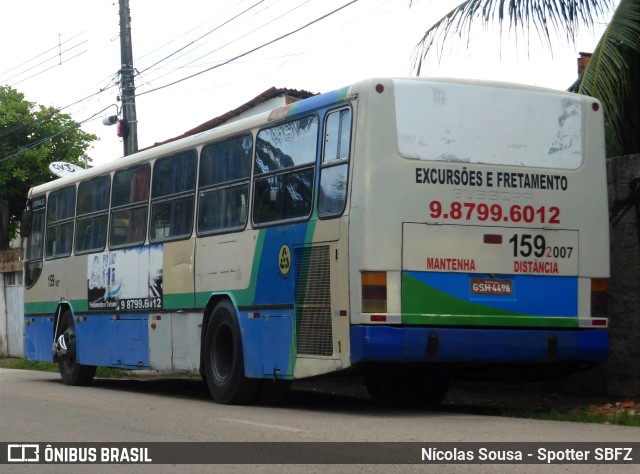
(613,74)
(31,137)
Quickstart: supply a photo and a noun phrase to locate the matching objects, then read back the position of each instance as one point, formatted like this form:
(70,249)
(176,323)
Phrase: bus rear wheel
(224,360)
(71,371)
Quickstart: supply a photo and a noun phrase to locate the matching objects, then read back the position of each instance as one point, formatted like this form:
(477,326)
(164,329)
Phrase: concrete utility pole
(129,119)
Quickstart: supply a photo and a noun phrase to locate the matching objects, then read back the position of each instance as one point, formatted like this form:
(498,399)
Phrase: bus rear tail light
(374,292)
(599,291)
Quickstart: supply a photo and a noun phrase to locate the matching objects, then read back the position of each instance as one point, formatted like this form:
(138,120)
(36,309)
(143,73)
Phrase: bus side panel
(113,341)
(38,338)
(267,319)
(268,343)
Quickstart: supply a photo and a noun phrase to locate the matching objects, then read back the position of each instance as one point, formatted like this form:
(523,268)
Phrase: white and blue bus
(400,228)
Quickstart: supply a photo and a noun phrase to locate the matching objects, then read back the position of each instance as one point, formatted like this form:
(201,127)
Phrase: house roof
(291,95)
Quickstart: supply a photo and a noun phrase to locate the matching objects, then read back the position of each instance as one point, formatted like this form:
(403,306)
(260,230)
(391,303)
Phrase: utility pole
(129,120)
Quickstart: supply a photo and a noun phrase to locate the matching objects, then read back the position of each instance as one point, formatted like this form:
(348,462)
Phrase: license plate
(485,286)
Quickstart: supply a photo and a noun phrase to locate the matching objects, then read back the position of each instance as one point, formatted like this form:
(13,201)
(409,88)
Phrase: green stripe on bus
(489,320)
(49,307)
(416,296)
(444,309)
(177,300)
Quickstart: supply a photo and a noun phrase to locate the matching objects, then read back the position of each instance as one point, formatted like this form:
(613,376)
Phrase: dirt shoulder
(494,398)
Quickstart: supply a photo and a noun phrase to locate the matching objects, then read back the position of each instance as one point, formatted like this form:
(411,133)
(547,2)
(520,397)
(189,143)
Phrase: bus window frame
(285,172)
(60,222)
(35,263)
(189,153)
(335,163)
(91,215)
(129,206)
(225,185)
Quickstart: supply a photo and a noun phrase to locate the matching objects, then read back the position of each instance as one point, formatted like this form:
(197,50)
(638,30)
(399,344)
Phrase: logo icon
(284,260)
(23,453)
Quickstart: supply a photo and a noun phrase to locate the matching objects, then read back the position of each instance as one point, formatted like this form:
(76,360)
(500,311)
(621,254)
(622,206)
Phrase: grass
(15,363)
(583,415)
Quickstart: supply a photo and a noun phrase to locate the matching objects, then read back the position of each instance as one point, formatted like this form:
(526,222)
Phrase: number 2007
(526,245)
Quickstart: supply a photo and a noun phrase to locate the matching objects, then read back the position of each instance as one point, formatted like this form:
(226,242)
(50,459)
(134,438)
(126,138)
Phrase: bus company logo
(23,453)
(284,260)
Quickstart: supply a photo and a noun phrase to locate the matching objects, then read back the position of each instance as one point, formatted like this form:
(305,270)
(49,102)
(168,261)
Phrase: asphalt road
(37,407)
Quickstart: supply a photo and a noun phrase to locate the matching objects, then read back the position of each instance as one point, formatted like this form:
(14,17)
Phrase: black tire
(72,372)
(224,361)
(398,385)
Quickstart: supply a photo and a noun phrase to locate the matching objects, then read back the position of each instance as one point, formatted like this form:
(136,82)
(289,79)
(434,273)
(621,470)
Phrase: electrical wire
(202,36)
(251,50)
(225,62)
(229,43)
(41,54)
(49,68)
(58,110)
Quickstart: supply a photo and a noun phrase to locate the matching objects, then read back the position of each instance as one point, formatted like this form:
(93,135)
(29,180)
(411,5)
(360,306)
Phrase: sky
(59,53)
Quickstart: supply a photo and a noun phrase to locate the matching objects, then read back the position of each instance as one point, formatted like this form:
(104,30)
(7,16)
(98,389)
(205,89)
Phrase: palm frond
(613,77)
(565,17)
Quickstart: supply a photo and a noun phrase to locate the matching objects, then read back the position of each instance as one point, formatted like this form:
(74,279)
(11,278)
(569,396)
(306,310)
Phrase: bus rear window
(468,123)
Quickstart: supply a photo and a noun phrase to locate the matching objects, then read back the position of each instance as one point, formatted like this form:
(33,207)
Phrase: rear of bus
(478,226)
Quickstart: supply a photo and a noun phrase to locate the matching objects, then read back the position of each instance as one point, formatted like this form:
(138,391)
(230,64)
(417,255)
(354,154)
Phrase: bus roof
(303,106)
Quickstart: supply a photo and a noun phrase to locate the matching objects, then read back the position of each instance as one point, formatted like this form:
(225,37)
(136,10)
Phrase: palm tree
(613,74)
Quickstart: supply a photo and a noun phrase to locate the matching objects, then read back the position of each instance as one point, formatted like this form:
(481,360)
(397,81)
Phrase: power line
(49,68)
(178,81)
(59,55)
(41,54)
(252,50)
(202,36)
(58,110)
(245,35)
(139,58)
(229,43)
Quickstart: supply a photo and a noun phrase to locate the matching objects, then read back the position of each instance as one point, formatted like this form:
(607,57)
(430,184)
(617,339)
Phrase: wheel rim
(222,354)
(69,359)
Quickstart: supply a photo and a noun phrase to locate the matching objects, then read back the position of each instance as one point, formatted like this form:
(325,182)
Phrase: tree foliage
(613,74)
(31,137)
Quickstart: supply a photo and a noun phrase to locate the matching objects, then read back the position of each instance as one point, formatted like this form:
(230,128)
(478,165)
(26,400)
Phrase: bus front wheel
(223,359)
(71,371)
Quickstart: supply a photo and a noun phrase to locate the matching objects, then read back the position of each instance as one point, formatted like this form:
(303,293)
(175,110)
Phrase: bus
(403,229)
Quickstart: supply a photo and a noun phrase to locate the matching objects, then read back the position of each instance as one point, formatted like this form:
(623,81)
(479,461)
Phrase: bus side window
(284,171)
(92,214)
(172,198)
(33,245)
(60,214)
(129,205)
(334,173)
(224,185)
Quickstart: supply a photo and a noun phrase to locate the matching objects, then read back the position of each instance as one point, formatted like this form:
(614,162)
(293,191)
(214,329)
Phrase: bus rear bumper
(419,344)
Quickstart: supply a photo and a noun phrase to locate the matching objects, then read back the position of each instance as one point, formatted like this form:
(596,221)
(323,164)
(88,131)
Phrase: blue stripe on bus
(317,102)
(532,294)
(411,344)
(268,334)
